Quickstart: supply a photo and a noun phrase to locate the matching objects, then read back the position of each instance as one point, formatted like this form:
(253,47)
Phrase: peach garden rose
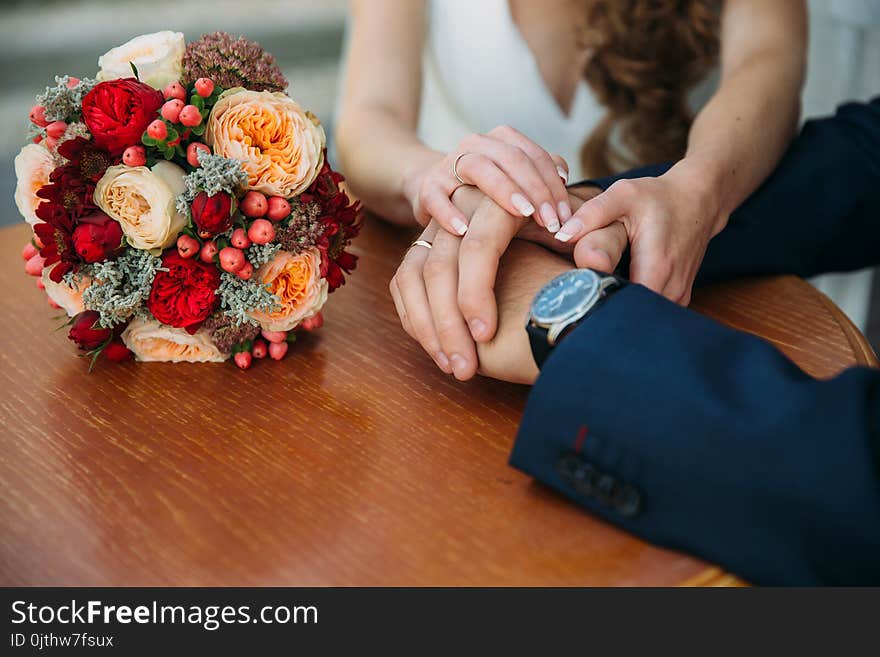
(281,146)
(142,200)
(296,281)
(32,168)
(150,340)
(69,298)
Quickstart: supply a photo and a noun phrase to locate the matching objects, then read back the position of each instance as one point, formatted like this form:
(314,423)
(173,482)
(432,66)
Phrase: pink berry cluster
(180,120)
(34,264)
(51,131)
(273,344)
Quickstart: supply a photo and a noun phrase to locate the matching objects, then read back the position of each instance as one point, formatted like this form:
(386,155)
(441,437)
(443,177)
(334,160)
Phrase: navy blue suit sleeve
(705,439)
(818,212)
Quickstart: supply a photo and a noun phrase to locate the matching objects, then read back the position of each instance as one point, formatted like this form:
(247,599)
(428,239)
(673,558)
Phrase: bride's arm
(393,172)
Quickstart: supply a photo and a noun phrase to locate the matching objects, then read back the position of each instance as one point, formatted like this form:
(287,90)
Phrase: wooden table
(353,462)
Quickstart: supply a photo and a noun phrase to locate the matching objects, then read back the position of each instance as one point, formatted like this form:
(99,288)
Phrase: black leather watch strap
(541,347)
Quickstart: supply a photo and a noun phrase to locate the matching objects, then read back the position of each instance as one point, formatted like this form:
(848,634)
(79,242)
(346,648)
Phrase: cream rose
(32,168)
(151,341)
(158,58)
(69,298)
(281,146)
(296,281)
(142,200)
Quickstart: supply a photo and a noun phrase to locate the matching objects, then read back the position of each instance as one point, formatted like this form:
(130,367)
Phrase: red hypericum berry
(279,208)
(171,110)
(243,359)
(72,82)
(38,139)
(51,143)
(52,304)
(116,352)
(174,90)
(239,239)
(40,284)
(274,336)
(261,232)
(29,251)
(254,205)
(134,156)
(313,323)
(232,259)
(187,246)
(204,87)
(277,350)
(246,272)
(38,116)
(158,130)
(190,116)
(209,250)
(34,265)
(56,129)
(260,349)
(192,153)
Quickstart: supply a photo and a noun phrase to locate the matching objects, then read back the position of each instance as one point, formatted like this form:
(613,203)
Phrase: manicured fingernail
(564,211)
(459,365)
(548,214)
(458,226)
(478,328)
(442,361)
(562,174)
(522,205)
(569,230)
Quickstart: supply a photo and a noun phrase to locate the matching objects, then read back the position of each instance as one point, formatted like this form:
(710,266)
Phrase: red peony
(86,333)
(118,111)
(97,237)
(184,296)
(212,214)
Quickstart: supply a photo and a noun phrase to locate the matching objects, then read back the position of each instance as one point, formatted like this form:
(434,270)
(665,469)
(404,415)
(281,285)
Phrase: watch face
(565,296)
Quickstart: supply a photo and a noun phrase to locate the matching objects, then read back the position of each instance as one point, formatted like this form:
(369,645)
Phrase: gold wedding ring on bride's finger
(455,168)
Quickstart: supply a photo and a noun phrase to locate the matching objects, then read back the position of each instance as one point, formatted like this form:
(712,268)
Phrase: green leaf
(198,130)
(169,152)
(134,70)
(146,140)
(198,101)
(291,337)
(172,134)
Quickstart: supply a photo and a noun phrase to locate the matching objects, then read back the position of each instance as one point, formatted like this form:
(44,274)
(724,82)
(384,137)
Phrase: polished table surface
(352,462)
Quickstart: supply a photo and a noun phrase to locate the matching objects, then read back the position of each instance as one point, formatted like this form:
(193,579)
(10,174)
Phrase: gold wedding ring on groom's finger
(423,243)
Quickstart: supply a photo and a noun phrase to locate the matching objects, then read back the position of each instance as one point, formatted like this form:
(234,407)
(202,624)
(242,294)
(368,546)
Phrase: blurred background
(43,38)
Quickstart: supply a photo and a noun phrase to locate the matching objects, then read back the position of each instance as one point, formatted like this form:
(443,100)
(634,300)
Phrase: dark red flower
(212,214)
(86,333)
(342,220)
(116,351)
(89,160)
(72,185)
(184,295)
(97,237)
(118,111)
(56,236)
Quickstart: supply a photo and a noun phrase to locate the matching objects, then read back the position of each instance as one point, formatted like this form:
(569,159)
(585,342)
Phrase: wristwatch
(562,304)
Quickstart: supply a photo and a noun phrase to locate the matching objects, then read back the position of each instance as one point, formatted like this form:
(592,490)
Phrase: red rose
(116,351)
(184,296)
(86,333)
(97,237)
(118,111)
(212,214)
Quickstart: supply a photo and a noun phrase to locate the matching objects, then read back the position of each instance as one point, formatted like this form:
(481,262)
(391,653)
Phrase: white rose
(69,298)
(32,168)
(150,340)
(142,200)
(158,58)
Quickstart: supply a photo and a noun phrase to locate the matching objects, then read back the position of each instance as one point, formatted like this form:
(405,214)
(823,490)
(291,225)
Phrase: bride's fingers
(602,249)
(441,284)
(552,168)
(434,202)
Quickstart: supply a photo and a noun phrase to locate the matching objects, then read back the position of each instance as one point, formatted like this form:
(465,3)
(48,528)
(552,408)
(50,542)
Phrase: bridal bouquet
(182,205)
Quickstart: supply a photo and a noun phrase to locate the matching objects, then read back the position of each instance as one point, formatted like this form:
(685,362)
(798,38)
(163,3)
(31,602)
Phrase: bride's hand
(506,166)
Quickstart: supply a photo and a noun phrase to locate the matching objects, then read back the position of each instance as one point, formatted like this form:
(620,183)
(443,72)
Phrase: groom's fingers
(441,285)
(612,204)
(602,249)
(492,230)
